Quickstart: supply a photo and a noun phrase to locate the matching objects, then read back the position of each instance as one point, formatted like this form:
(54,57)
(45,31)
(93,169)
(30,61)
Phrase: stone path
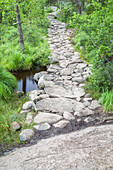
(62,98)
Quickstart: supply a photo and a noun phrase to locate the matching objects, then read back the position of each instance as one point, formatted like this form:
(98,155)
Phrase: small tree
(19,27)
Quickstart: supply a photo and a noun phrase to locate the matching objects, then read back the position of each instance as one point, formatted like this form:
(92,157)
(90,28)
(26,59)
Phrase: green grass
(36,49)
(10,112)
(107,100)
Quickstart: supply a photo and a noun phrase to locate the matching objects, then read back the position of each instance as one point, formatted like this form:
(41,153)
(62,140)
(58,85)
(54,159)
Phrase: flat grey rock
(78,92)
(42,126)
(94,105)
(81,66)
(61,124)
(27,105)
(83,112)
(50,118)
(59,105)
(78,79)
(66,71)
(68,116)
(59,91)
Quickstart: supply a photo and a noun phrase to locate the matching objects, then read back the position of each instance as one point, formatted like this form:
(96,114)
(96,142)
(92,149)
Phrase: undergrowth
(9,112)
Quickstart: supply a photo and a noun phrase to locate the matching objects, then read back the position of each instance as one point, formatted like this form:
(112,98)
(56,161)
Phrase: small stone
(78,99)
(43,126)
(61,124)
(82,48)
(28,105)
(19,93)
(88,95)
(78,120)
(86,103)
(26,134)
(94,105)
(88,120)
(87,99)
(33,97)
(41,81)
(25,111)
(78,79)
(78,92)
(44,96)
(66,71)
(16,126)
(81,66)
(29,118)
(81,85)
(68,116)
(84,112)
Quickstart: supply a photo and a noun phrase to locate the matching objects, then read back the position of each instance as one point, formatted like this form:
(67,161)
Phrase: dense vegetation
(34,25)
(94,32)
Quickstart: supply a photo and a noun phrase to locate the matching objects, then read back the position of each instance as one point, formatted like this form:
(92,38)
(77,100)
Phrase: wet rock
(50,118)
(43,83)
(38,75)
(28,105)
(43,126)
(68,116)
(61,124)
(26,134)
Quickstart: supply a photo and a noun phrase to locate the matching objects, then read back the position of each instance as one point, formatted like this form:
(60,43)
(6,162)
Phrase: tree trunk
(78,7)
(0,16)
(82,5)
(19,27)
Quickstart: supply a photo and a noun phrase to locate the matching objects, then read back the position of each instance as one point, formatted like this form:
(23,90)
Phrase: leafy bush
(7,83)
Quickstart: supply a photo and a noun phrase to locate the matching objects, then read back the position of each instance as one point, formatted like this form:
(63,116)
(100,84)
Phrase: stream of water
(25,80)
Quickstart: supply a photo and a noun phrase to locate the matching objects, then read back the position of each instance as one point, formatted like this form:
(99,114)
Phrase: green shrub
(7,83)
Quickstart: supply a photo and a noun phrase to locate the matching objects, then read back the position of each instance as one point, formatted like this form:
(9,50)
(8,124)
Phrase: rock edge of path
(91,148)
